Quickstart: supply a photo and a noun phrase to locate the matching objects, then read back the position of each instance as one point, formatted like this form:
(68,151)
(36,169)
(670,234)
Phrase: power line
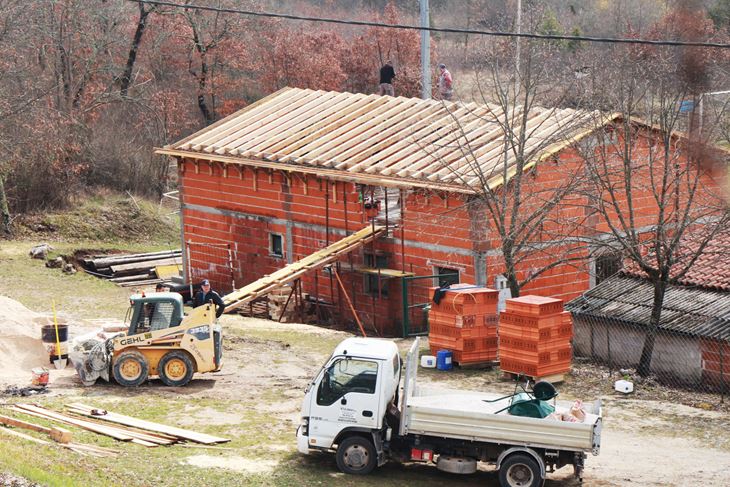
(608,40)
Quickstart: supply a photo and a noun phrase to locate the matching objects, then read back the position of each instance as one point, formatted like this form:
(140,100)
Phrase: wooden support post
(327,214)
(354,313)
(402,230)
(225,170)
(197,167)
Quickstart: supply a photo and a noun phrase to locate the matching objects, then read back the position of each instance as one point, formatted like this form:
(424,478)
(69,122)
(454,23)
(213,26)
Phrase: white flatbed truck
(356,407)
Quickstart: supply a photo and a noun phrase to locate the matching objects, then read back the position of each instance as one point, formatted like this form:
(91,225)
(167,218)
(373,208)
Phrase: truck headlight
(305,426)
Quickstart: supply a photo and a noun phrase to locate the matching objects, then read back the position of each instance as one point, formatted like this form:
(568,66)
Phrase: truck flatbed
(466,415)
(469,415)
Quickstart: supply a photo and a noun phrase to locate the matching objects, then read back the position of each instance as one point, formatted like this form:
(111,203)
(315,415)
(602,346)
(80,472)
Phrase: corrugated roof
(425,142)
(688,310)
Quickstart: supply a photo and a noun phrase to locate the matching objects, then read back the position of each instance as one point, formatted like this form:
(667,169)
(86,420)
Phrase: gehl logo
(135,339)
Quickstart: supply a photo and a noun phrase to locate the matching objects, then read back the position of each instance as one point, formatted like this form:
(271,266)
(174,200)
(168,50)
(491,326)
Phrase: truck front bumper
(302,441)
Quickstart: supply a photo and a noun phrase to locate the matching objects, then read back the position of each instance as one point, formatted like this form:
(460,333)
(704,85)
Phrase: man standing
(387,73)
(205,295)
(445,83)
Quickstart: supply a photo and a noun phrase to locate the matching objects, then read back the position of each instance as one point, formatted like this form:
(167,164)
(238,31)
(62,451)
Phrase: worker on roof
(445,83)
(387,74)
(206,295)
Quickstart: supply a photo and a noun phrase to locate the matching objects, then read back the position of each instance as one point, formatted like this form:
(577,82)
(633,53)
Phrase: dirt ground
(267,365)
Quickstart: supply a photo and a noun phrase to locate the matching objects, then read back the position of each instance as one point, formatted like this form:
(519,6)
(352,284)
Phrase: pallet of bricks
(464,321)
(534,338)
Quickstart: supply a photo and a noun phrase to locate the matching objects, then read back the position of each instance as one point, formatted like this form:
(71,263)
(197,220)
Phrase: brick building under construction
(300,170)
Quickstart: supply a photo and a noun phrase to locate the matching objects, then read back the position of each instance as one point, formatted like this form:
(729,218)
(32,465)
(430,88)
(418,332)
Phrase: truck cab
(349,398)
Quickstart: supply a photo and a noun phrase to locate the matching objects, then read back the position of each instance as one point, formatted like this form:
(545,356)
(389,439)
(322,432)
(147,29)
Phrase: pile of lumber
(107,423)
(134,269)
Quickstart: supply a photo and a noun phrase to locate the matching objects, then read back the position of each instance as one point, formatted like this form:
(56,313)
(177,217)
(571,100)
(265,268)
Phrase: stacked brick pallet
(464,321)
(534,337)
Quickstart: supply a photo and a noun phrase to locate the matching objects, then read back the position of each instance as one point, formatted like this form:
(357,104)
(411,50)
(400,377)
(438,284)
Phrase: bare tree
(652,191)
(521,212)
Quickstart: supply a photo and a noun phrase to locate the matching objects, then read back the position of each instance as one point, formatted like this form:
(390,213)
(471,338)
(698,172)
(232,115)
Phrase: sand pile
(21,348)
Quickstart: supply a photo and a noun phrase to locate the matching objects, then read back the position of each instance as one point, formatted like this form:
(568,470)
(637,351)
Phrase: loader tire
(175,369)
(130,369)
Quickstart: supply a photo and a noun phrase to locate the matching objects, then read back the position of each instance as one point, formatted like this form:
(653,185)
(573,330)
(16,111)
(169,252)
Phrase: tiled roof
(396,140)
(711,270)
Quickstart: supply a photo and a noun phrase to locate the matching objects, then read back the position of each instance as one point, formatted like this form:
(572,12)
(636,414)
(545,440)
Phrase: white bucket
(428,361)
(623,386)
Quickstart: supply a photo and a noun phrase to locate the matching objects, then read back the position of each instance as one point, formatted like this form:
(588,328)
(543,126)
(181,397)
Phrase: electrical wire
(608,40)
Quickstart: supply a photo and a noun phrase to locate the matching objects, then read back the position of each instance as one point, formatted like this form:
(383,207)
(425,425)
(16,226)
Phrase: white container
(428,361)
(624,386)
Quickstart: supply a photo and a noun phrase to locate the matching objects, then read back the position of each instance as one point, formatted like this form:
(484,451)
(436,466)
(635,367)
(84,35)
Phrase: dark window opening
(446,276)
(606,266)
(376,261)
(277,245)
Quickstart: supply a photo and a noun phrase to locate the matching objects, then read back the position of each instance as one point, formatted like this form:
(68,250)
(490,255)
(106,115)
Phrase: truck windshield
(347,375)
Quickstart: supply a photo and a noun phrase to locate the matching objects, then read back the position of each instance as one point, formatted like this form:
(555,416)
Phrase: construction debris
(145,425)
(133,269)
(128,429)
(40,251)
(24,391)
(61,436)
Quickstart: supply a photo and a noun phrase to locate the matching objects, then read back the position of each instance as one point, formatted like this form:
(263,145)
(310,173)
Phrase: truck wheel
(520,470)
(356,455)
(130,369)
(176,369)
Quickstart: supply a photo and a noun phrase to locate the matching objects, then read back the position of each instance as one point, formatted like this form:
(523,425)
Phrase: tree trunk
(4,211)
(126,77)
(660,289)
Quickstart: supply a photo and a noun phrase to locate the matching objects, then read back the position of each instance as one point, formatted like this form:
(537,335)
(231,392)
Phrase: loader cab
(153,312)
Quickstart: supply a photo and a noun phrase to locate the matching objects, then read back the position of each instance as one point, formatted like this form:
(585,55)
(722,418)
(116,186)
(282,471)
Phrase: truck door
(347,396)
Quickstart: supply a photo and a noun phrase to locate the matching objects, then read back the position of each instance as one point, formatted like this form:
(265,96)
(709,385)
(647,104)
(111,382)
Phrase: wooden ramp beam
(295,270)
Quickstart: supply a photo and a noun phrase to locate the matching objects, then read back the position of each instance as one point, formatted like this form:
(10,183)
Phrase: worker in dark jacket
(206,295)
(387,73)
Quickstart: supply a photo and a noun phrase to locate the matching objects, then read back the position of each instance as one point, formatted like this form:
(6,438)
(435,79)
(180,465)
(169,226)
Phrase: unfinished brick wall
(243,206)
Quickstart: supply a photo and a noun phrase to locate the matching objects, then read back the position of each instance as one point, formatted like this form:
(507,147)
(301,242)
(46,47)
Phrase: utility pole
(425,52)
(517,39)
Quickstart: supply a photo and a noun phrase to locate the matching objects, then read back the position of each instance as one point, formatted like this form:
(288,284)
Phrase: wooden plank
(311,152)
(344,118)
(318,259)
(87,425)
(406,145)
(229,120)
(357,157)
(156,427)
(315,258)
(324,172)
(306,109)
(271,145)
(126,259)
(366,130)
(457,140)
(250,120)
(57,434)
(420,150)
(151,264)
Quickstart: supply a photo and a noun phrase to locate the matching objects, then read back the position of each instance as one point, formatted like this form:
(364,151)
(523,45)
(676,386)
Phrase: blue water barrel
(443,360)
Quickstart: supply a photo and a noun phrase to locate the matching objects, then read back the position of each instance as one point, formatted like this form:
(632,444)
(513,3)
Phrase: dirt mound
(17,320)
(21,348)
